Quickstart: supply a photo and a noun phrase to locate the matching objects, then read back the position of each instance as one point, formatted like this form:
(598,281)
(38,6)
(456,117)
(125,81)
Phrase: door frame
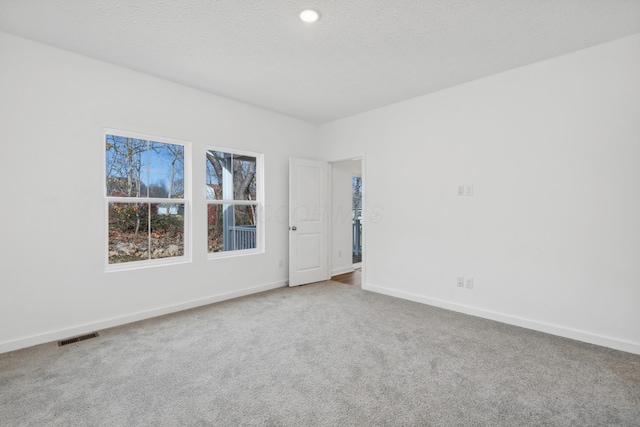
(363,237)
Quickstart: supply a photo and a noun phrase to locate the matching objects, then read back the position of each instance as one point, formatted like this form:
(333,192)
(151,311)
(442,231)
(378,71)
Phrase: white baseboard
(134,317)
(344,270)
(535,325)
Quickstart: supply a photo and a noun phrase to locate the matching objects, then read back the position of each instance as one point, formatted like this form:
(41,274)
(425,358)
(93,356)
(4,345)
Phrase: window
(145,199)
(234,201)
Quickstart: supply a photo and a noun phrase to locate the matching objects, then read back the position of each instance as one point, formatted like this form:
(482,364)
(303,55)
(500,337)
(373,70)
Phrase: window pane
(232,227)
(167,230)
(244,178)
(166,170)
(214,222)
(230,176)
(128,236)
(216,163)
(125,158)
(140,168)
(244,229)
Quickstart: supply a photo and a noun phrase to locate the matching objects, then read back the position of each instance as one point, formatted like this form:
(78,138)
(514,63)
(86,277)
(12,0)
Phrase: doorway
(347,220)
(356,213)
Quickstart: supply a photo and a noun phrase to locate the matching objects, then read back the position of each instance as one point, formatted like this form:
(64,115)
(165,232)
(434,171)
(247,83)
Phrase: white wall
(551,235)
(54,106)
(342,174)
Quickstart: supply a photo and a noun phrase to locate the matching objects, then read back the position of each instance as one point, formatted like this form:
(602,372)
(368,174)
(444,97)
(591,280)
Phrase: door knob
(294,228)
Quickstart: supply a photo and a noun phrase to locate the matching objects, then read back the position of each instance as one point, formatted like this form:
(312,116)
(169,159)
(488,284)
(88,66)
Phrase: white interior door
(308,221)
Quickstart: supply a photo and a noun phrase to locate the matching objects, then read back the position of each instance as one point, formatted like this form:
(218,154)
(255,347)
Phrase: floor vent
(77,339)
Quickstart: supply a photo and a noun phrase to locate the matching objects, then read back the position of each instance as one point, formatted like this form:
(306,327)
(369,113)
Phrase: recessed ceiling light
(309,15)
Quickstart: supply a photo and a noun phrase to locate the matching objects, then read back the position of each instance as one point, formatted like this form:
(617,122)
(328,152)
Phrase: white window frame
(259,202)
(186,201)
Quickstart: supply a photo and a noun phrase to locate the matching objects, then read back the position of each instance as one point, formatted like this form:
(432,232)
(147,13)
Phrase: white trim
(60,334)
(535,325)
(147,263)
(230,150)
(143,136)
(150,200)
(231,254)
(232,202)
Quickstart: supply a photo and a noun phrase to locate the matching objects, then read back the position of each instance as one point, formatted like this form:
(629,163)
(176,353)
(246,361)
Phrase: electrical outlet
(460,190)
(468,190)
(460,281)
(468,283)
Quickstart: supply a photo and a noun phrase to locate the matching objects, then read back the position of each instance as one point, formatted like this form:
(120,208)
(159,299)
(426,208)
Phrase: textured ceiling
(361,54)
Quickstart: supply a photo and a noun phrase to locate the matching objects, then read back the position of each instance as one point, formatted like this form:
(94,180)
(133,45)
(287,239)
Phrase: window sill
(231,254)
(137,265)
